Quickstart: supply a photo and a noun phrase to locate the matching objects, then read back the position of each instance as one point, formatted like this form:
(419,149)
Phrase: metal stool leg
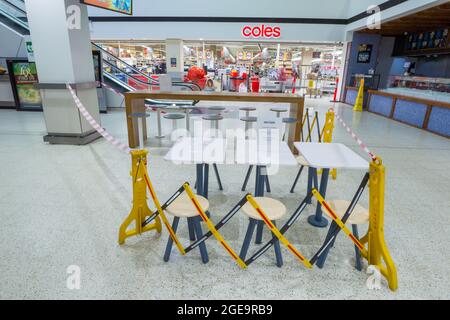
(199,233)
(247,176)
(191,229)
(323,256)
(259,232)
(248,238)
(216,171)
(358,264)
(170,241)
(277,249)
(188,119)
(296,178)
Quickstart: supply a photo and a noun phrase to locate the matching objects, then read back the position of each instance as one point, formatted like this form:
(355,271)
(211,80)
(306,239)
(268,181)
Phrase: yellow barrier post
(360,97)
(377,248)
(140,209)
(327,136)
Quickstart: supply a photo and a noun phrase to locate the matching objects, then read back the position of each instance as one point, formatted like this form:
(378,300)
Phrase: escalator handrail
(179,84)
(121,61)
(154,82)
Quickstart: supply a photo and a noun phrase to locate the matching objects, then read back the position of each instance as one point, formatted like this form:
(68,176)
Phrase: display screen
(122,6)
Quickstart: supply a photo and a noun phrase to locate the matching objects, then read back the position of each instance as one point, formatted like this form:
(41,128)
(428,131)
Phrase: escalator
(117,73)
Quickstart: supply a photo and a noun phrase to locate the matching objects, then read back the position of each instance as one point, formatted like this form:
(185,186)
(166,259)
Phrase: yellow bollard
(377,248)
(140,210)
(327,137)
(360,98)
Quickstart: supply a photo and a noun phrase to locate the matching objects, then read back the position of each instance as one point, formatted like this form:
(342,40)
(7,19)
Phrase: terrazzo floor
(62,206)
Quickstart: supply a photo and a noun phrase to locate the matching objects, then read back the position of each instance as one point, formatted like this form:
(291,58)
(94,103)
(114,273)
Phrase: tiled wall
(440,121)
(381,104)
(410,112)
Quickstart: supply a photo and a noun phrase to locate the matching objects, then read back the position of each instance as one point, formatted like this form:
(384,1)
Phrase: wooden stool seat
(360,215)
(274,209)
(302,161)
(183,207)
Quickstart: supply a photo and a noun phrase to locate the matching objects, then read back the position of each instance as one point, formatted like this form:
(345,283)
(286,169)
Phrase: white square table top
(263,154)
(331,155)
(198,150)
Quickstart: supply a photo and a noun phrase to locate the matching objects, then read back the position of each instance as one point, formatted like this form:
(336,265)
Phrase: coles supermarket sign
(261,31)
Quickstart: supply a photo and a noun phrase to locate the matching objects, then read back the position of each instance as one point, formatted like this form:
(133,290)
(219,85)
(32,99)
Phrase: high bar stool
(217,109)
(183,207)
(278,110)
(159,108)
(312,175)
(287,121)
(187,109)
(214,118)
(359,216)
(174,117)
(274,210)
(248,122)
(248,119)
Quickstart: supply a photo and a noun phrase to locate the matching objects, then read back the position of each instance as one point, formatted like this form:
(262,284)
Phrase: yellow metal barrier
(338,221)
(140,209)
(378,251)
(277,232)
(327,136)
(360,97)
(212,228)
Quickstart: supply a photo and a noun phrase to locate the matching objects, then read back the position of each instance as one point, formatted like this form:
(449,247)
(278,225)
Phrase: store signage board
(122,6)
(261,31)
(364,53)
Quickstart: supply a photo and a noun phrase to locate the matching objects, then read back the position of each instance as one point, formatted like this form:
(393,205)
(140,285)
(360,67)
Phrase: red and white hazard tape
(118,144)
(108,87)
(355,137)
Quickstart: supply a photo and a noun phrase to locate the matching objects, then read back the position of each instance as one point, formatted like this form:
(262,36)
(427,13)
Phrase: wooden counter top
(216,96)
(135,103)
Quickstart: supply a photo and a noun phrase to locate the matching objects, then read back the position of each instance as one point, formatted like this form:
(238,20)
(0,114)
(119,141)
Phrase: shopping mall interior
(241,151)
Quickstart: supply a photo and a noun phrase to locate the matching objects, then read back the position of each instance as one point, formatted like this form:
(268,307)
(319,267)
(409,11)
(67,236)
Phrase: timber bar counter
(135,103)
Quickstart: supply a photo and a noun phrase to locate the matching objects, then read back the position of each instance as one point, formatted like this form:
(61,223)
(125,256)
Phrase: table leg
(259,192)
(205,180)
(199,172)
(318,220)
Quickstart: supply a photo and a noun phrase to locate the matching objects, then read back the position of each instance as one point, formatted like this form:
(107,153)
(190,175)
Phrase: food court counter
(430,115)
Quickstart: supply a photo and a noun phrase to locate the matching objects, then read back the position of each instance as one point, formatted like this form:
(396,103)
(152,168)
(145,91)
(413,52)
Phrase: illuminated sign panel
(122,6)
(261,31)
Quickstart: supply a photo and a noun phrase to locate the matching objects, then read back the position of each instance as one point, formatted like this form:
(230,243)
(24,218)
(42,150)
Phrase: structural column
(61,42)
(175,59)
